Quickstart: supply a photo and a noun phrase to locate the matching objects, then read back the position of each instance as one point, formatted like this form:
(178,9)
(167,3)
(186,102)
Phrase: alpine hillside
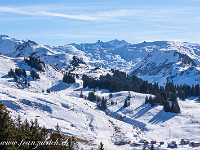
(81,88)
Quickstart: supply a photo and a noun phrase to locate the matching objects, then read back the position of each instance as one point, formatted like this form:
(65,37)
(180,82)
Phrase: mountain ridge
(113,54)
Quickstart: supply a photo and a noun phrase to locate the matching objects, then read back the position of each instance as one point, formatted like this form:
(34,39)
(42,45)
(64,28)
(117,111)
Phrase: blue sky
(59,22)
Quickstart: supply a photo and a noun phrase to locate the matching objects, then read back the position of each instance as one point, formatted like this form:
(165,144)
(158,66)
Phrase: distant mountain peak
(4,36)
(99,41)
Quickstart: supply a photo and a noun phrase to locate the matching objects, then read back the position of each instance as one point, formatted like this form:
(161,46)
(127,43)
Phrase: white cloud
(79,17)
(167,26)
(145,14)
(14,10)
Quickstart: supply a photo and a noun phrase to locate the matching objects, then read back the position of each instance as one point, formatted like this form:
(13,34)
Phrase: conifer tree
(81,95)
(48,91)
(91,96)
(11,73)
(68,78)
(103,103)
(175,107)
(101,146)
(24,73)
(125,103)
(146,100)
(152,147)
(110,95)
(144,148)
(57,128)
(167,106)
(5,123)
(34,75)
(15,78)
(129,96)
(150,100)
(112,102)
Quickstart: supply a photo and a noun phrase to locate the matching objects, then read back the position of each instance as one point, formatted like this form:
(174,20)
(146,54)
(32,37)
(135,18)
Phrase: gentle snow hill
(155,123)
(75,116)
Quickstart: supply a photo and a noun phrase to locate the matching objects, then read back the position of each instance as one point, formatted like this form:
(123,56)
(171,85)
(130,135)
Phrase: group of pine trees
(127,100)
(18,131)
(166,96)
(20,73)
(17,72)
(101,101)
(69,78)
(35,63)
(34,74)
(119,81)
(76,61)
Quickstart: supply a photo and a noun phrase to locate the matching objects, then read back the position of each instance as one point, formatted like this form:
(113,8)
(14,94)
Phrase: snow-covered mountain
(114,54)
(152,61)
(158,61)
(25,48)
(164,65)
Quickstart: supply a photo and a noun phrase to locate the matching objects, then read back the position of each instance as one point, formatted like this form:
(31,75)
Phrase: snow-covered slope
(163,65)
(155,123)
(81,118)
(76,116)
(25,48)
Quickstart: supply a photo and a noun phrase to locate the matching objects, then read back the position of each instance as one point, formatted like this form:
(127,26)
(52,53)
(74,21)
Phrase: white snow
(80,117)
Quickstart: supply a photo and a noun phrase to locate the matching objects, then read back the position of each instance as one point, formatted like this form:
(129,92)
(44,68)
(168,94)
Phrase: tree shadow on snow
(62,86)
(196,99)
(128,120)
(11,105)
(162,116)
(122,108)
(6,76)
(144,110)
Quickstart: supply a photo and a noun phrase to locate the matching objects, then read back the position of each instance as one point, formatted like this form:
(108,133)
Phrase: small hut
(143,141)
(153,142)
(161,143)
(172,145)
(195,144)
(184,141)
(135,144)
(122,142)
